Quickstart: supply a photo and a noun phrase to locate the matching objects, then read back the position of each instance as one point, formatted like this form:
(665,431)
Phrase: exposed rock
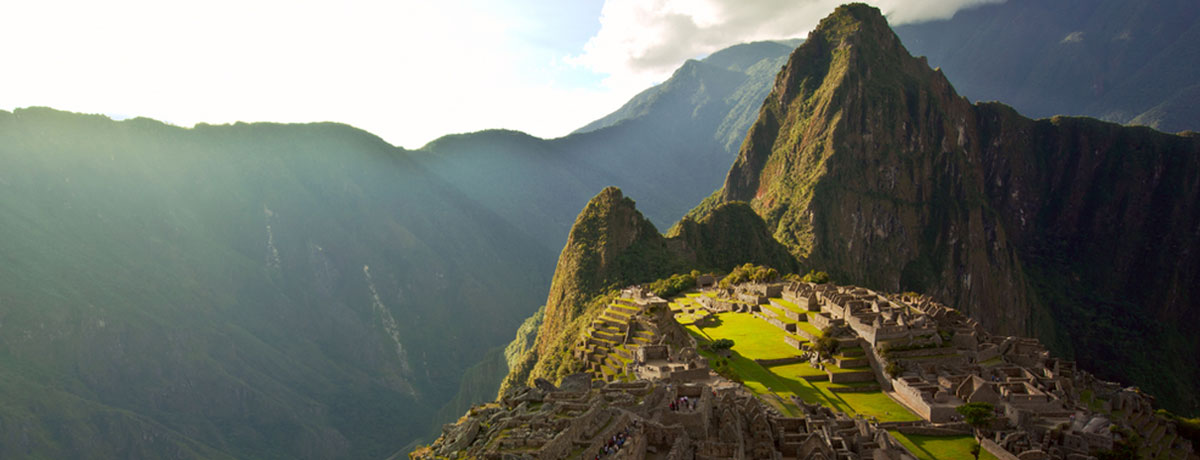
(544,385)
(867,164)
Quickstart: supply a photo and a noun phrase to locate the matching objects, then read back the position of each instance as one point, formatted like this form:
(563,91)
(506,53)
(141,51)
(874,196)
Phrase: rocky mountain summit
(866,163)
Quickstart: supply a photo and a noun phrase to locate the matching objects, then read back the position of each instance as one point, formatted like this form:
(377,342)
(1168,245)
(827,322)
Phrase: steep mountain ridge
(613,245)
(866,163)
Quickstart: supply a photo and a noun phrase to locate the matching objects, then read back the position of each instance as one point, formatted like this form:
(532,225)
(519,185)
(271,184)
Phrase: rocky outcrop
(866,163)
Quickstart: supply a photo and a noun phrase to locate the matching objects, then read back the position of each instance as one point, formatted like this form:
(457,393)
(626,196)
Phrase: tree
(826,344)
(975,450)
(977,414)
(894,369)
(721,344)
(817,277)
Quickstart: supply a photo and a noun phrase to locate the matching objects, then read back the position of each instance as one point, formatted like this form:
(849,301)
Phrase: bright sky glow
(408,71)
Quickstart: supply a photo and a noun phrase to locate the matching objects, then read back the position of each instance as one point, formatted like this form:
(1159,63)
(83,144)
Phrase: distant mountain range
(1120,61)
(243,291)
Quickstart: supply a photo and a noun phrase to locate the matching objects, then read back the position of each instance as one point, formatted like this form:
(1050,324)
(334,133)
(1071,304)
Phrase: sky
(407,71)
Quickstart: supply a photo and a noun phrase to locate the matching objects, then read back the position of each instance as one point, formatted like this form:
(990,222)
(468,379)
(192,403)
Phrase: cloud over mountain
(641,42)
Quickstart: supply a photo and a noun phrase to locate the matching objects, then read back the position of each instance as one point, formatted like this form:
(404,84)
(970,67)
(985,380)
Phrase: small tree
(826,344)
(975,450)
(977,414)
(721,345)
(894,369)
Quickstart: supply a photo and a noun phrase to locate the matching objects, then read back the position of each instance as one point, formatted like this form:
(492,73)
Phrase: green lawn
(874,404)
(752,337)
(756,339)
(939,447)
(798,369)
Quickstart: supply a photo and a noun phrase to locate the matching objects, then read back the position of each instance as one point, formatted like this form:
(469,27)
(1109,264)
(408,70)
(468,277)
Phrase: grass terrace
(940,447)
(756,339)
(790,306)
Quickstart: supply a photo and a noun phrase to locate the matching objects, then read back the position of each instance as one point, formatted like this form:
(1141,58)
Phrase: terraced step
(613,336)
(619,326)
(1156,433)
(624,354)
(601,343)
(852,352)
(851,362)
(619,315)
(625,309)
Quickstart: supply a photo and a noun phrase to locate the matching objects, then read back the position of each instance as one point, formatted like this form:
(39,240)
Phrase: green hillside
(255,291)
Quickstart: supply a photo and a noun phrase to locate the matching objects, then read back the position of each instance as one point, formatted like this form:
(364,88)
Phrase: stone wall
(779,361)
(996,450)
(950,430)
(851,377)
(791,341)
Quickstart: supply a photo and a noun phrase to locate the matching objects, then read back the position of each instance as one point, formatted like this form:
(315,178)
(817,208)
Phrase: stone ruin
(640,361)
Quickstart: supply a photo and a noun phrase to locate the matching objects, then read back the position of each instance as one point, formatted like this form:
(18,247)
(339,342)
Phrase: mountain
(244,263)
(671,142)
(239,291)
(612,245)
(866,163)
(1127,62)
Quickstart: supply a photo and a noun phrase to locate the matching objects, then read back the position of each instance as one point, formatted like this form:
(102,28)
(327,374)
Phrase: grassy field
(940,447)
(756,339)
(753,337)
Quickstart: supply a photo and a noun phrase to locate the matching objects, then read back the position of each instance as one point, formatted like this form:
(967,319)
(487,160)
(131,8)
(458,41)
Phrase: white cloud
(406,70)
(642,41)
(409,71)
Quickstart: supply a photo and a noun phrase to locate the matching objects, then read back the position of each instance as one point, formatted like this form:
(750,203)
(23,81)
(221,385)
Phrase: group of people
(682,403)
(614,444)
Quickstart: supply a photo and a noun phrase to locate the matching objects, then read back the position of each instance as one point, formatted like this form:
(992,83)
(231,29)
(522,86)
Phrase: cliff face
(866,163)
(1106,222)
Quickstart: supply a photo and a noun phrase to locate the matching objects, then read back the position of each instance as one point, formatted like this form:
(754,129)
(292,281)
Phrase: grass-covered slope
(866,163)
(248,291)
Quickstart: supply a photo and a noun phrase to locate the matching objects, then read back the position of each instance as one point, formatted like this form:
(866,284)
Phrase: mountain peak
(866,163)
(849,19)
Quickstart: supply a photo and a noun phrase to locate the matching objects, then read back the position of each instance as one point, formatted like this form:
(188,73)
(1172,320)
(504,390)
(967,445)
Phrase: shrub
(750,272)
(894,369)
(817,277)
(722,344)
(826,344)
(669,287)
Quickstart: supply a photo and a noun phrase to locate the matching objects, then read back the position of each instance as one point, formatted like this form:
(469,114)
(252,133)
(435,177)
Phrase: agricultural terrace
(940,447)
(757,339)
